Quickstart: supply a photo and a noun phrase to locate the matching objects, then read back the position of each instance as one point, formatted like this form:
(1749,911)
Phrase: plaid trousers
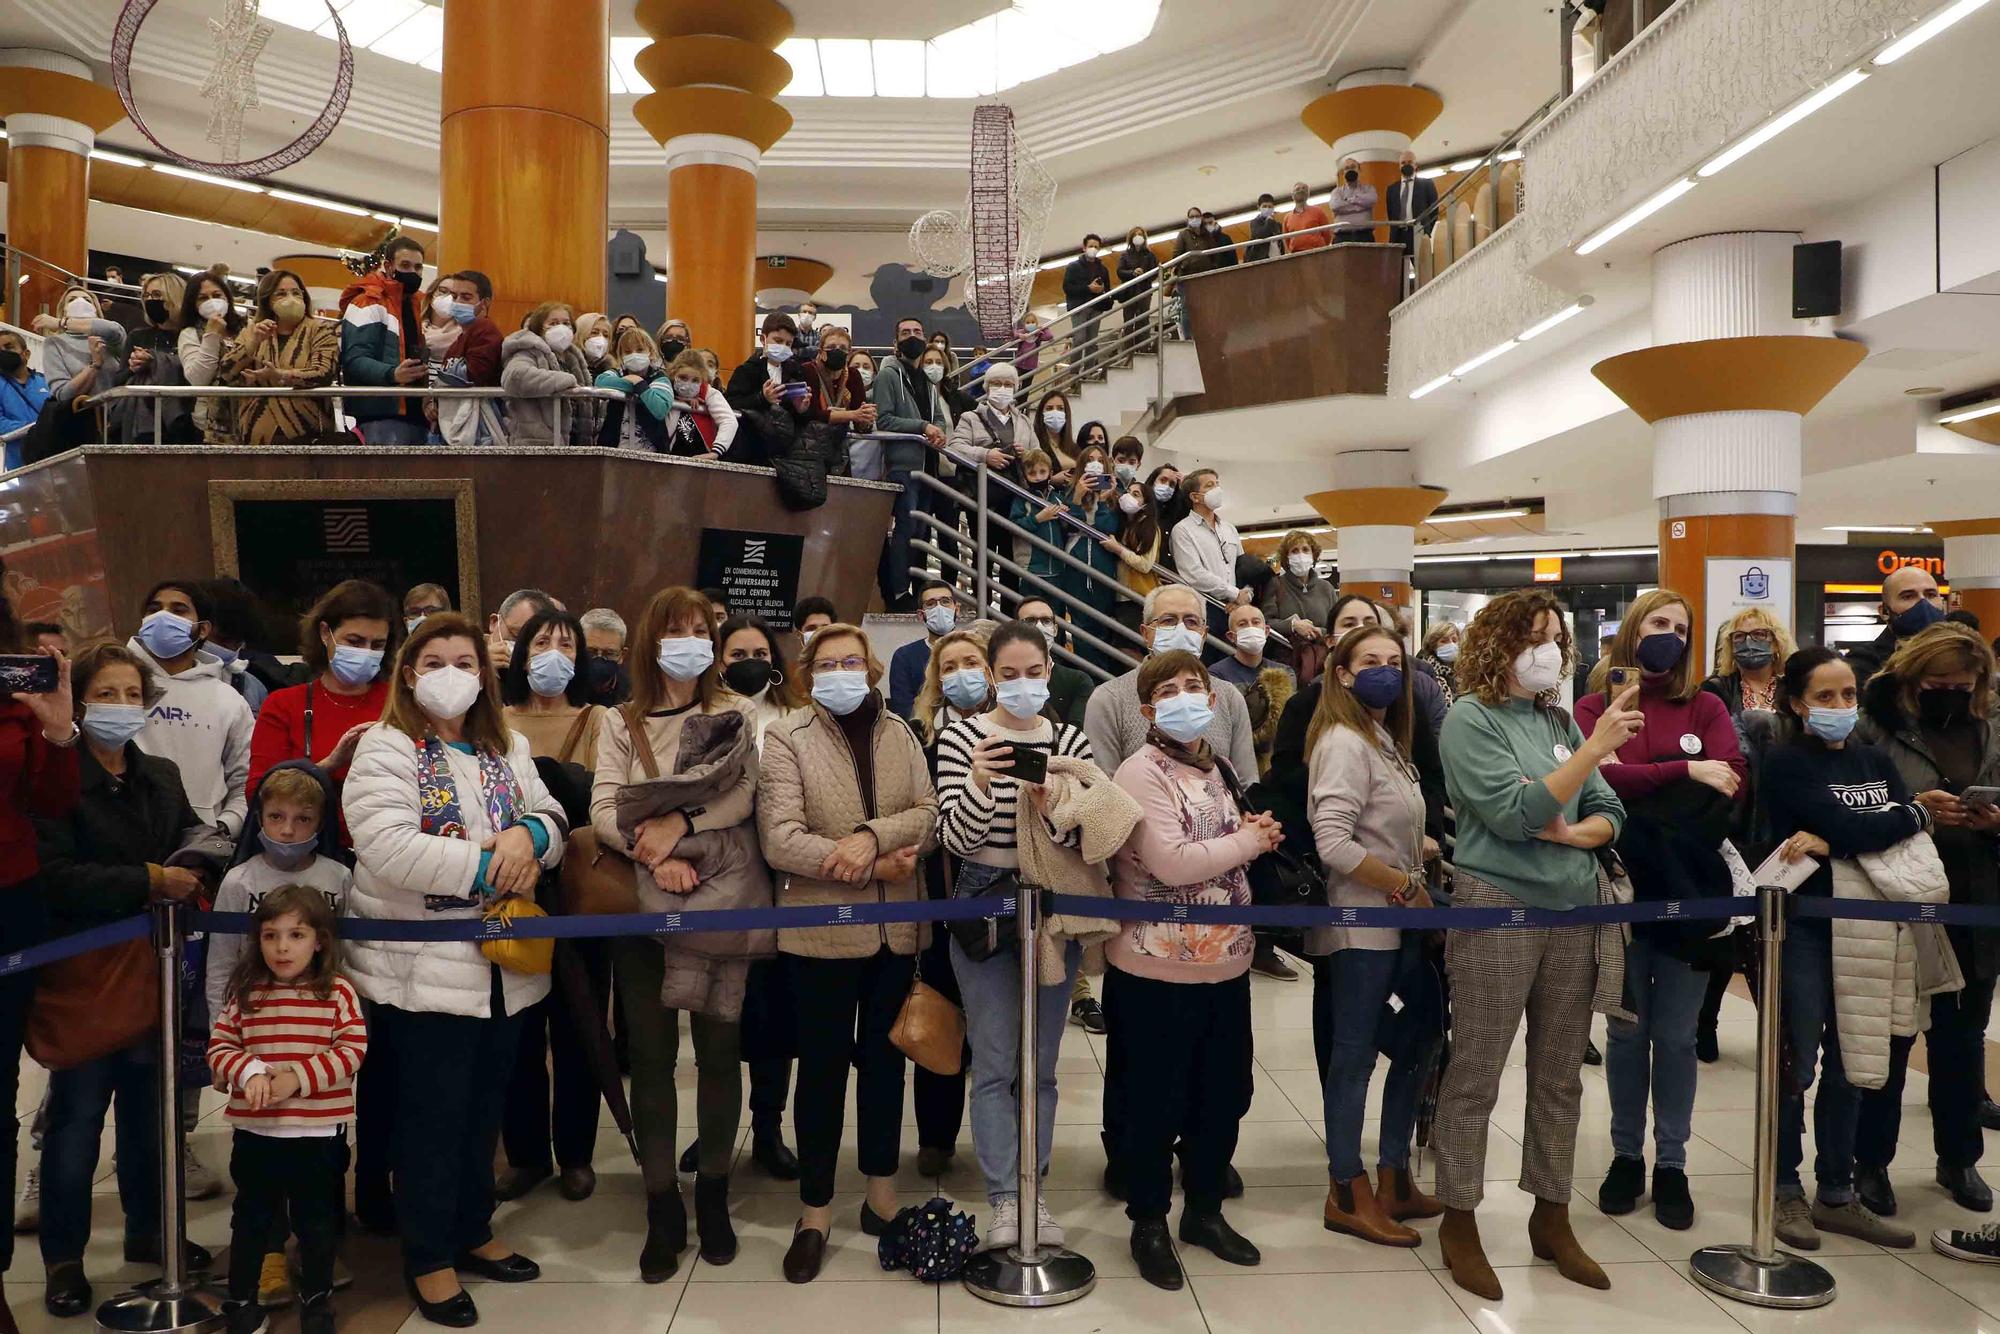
(1497,975)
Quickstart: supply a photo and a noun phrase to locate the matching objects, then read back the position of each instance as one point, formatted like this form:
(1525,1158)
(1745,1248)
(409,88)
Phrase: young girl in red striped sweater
(287,1045)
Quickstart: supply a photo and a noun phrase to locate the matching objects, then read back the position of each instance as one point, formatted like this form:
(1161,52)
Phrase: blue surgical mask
(1169,638)
(1378,687)
(1832,724)
(941,620)
(967,688)
(778,353)
(1919,617)
(1054,419)
(166,635)
(1184,717)
(1163,491)
(288,856)
(1024,697)
(410,623)
(840,693)
(1660,653)
(353,666)
(1447,652)
(551,671)
(686,658)
(225,656)
(112,725)
(463,313)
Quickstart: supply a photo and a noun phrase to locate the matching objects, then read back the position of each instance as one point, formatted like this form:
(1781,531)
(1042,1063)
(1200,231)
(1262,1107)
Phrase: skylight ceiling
(989,55)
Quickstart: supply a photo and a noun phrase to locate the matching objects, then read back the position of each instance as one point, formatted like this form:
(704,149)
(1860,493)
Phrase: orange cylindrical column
(712,251)
(54,113)
(525,150)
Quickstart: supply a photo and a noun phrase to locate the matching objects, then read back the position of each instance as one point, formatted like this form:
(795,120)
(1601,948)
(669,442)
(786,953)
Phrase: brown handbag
(93,1004)
(930,1030)
(597,880)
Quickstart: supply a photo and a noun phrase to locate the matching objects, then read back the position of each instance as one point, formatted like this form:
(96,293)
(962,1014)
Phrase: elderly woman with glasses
(846,810)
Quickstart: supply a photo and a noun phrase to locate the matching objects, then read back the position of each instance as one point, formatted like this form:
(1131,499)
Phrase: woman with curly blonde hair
(1532,809)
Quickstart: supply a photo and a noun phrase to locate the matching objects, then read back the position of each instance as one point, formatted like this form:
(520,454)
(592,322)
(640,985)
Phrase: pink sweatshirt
(1190,846)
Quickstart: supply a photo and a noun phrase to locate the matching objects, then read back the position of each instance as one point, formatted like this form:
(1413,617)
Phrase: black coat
(1423,199)
(1268,230)
(1078,275)
(745,392)
(1133,264)
(97,863)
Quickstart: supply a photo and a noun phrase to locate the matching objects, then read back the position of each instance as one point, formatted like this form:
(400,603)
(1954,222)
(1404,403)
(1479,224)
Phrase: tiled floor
(1310,1279)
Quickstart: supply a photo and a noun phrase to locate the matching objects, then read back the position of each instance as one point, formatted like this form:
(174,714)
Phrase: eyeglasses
(1192,621)
(848,664)
(608,654)
(1042,622)
(1749,637)
(942,600)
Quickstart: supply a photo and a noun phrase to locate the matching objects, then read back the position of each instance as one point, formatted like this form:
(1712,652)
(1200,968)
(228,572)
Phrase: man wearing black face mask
(604,650)
(22,392)
(1910,603)
(1410,199)
(1353,204)
(382,343)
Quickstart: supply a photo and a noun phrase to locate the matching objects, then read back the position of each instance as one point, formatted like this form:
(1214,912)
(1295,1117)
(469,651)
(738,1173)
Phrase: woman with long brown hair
(449,817)
(1368,828)
(1532,808)
(285,346)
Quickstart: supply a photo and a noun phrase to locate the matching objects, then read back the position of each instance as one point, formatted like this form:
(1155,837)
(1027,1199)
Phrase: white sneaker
(198,1181)
(1047,1231)
(28,1209)
(1005,1229)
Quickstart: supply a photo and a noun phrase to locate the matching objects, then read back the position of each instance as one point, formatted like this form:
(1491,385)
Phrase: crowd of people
(418,764)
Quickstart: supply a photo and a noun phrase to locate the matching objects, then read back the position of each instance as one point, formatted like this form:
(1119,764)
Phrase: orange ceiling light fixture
(786,280)
(1409,505)
(27,90)
(1770,373)
(1399,107)
(715,70)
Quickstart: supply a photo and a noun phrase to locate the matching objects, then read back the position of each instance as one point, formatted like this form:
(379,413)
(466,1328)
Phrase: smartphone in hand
(27,673)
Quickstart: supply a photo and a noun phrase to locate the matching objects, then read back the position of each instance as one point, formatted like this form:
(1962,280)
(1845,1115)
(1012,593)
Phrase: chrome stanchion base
(148,1310)
(1005,1279)
(1787,1281)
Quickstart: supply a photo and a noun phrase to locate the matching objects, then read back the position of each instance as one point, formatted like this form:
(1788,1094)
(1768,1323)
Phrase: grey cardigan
(1363,801)
(64,355)
(1117,729)
(1286,597)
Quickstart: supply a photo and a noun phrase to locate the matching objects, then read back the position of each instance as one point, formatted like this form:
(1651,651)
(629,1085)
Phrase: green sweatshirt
(1494,761)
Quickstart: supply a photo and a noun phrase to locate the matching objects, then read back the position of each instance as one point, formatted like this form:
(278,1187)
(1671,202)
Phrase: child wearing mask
(700,421)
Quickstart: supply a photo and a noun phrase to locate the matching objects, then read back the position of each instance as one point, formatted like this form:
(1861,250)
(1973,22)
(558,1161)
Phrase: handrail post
(1027,1273)
(1760,1274)
(170,1303)
(980,589)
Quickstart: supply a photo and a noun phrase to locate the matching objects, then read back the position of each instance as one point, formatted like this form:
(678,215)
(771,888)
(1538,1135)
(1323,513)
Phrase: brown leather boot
(1458,1239)
(1550,1237)
(1351,1207)
(1400,1197)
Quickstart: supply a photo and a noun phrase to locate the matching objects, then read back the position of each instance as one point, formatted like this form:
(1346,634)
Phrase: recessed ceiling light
(1924,390)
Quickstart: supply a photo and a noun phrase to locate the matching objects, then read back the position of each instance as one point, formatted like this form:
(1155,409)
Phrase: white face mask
(559,337)
(636,363)
(1300,563)
(1055,418)
(593,346)
(1252,638)
(445,693)
(80,309)
(441,305)
(933,372)
(212,309)
(867,375)
(1093,469)
(1001,396)
(686,388)
(1539,667)
(1090,252)
(1213,498)
(1130,503)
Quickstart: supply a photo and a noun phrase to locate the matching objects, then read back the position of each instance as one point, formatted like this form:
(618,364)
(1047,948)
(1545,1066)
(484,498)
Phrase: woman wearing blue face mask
(1828,796)
(1368,827)
(681,717)
(101,862)
(546,696)
(345,640)
(846,809)
(981,811)
(1177,996)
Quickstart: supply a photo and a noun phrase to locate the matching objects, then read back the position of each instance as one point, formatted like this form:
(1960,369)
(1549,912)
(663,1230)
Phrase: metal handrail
(339,393)
(947,561)
(1488,165)
(932,521)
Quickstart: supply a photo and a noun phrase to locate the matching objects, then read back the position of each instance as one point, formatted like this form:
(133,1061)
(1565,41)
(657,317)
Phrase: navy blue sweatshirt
(1852,797)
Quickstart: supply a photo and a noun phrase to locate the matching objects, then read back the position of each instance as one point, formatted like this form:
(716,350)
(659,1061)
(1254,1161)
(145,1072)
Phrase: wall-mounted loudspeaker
(1815,280)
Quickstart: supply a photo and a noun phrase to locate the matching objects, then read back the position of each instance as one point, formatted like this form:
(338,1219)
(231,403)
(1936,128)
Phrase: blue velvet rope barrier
(965,910)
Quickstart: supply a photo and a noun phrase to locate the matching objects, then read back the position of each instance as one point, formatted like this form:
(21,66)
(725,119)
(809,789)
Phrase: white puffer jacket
(397,865)
(1883,972)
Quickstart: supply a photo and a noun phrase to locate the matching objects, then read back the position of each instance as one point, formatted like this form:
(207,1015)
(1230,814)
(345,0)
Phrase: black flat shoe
(515,1268)
(1673,1206)
(711,1217)
(666,1236)
(872,1223)
(1968,1189)
(1232,1183)
(515,1182)
(1989,1114)
(691,1159)
(771,1153)
(454,1312)
(807,1254)
(932,1160)
(1872,1188)
(1153,1250)
(1706,1049)
(1591,1055)
(1213,1234)
(577,1183)
(68,1292)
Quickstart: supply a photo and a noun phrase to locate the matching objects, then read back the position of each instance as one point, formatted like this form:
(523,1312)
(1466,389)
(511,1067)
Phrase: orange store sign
(1888,562)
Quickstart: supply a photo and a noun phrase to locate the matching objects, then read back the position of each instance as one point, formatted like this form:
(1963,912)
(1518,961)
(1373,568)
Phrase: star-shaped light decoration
(232,84)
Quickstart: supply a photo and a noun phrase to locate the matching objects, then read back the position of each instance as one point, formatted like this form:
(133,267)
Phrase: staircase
(1128,398)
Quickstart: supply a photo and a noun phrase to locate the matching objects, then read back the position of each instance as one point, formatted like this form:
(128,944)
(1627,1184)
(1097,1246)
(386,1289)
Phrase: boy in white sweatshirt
(201,722)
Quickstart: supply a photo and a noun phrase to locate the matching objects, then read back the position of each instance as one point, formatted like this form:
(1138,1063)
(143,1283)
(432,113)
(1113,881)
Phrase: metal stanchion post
(1761,1274)
(1029,1274)
(171,1302)
(979,575)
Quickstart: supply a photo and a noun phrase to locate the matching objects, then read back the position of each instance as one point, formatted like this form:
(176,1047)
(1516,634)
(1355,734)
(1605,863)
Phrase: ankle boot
(711,1220)
(1400,1197)
(1550,1237)
(1458,1239)
(666,1236)
(1351,1207)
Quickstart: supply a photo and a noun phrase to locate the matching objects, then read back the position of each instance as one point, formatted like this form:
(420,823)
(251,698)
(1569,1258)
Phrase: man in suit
(1410,198)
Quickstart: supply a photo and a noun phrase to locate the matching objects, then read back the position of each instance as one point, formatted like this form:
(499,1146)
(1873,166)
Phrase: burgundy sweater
(37,779)
(1659,753)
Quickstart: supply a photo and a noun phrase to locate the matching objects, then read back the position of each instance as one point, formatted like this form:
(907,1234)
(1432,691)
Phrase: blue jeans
(1655,1054)
(992,997)
(393,431)
(1810,1034)
(78,1100)
(1358,985)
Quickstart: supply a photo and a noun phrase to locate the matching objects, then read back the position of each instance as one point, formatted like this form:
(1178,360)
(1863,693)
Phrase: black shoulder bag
(1278,878)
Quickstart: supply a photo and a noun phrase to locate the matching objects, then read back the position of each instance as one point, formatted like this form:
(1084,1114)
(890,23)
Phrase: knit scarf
(1198,756)
(439,812)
